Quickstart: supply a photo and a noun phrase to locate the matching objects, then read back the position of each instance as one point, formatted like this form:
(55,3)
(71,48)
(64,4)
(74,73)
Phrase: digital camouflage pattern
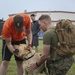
(59,67)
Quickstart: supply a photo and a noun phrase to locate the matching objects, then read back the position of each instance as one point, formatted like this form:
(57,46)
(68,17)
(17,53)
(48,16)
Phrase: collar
(29,57)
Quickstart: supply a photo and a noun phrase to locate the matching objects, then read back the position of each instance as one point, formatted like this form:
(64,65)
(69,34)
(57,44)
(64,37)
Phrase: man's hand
(15,52)
(29,47)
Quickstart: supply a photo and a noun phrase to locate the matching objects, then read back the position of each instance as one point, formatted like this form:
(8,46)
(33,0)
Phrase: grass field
(12,69)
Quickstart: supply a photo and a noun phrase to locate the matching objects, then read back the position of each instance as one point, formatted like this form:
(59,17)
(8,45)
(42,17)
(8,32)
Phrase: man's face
(43,25)
(33,18)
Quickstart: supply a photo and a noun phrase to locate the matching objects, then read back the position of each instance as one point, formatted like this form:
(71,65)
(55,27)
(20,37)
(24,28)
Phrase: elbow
(45,57)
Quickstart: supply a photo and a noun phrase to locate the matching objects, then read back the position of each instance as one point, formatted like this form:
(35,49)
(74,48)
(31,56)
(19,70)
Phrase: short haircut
(45,17)
(32,15)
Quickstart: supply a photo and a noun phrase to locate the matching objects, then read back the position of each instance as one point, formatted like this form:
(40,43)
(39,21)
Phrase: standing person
(35,30)
(13,33)
(57,65)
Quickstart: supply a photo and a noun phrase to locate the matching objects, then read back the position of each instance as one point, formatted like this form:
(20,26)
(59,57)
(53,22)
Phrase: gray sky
(17,6)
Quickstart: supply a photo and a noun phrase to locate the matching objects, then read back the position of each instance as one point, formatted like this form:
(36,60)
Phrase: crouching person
(13,33)
(56,64)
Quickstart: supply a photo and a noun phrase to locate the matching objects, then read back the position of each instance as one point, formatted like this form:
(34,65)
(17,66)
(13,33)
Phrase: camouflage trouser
(59,67)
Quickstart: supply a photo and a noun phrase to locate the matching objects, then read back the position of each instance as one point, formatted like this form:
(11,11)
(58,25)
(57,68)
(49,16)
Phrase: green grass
(12,69)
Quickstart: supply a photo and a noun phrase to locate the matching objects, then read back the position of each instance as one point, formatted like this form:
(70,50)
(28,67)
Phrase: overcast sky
(17,6)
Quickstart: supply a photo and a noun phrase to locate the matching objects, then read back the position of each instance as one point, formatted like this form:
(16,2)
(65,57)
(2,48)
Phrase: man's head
(18,22)
(33,17)
(44,22)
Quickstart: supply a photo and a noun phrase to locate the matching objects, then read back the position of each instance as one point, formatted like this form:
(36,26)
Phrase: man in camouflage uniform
(56,64)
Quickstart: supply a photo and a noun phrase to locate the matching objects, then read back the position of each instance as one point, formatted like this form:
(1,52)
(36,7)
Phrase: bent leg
(36,48)
(19,67)
(6,55)
(3,67)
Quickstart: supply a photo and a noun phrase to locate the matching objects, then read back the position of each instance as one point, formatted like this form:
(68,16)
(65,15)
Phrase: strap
(55,53)
(61,35)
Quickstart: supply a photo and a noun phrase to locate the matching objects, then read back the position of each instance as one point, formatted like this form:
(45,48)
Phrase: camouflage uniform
(59,67)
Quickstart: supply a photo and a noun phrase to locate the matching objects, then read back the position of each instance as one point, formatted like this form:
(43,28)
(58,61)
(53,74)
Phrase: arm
(44,56)
(29,36)
(36,32)
(37,29)
(9,45)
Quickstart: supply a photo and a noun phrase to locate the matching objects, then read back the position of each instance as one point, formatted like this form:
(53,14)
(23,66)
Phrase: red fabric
(9,31)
